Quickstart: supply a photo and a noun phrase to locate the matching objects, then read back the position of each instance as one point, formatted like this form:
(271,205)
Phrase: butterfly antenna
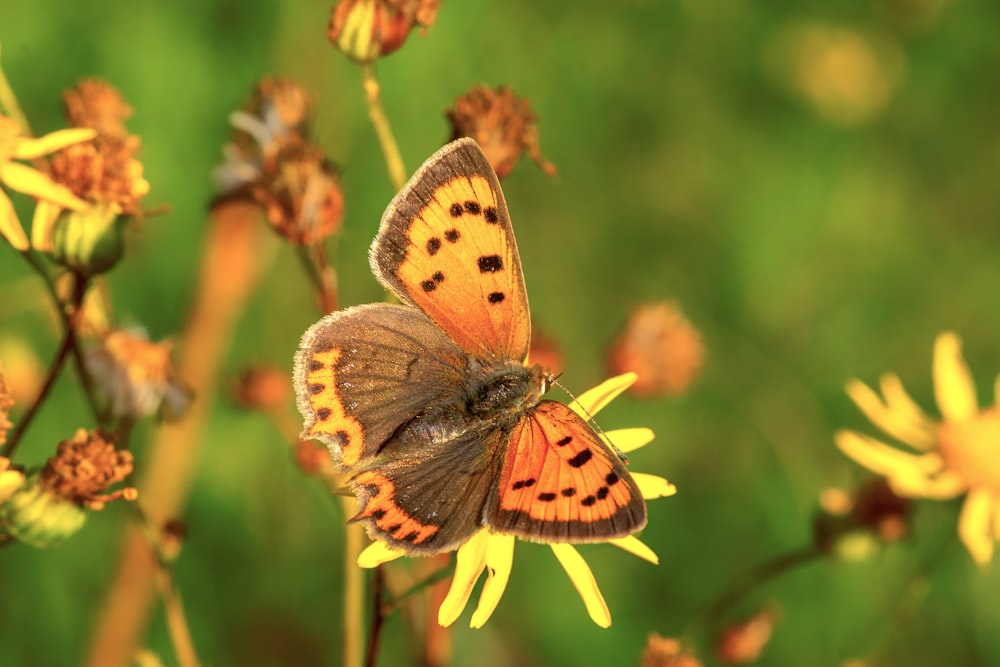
(593,422)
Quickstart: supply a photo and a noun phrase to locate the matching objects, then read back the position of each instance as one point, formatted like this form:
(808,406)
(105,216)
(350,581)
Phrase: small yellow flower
(494,553)
(960,454)
(30,181)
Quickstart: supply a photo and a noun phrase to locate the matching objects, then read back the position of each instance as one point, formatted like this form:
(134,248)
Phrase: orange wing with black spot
(361,373)
(560,483)
(446,246)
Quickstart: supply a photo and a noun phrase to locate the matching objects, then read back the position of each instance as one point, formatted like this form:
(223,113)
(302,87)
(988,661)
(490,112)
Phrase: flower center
(972,449)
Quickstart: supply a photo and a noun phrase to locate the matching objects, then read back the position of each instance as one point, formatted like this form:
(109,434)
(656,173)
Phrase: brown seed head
(301,195)
(743,642)
(666,652)
(662,347)
(501,123)
(103,171)
(262,388)
(85,467)
(96,103)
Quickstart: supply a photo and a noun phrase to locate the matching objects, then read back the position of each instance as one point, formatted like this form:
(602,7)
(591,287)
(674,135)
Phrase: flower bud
(39,517)
(366,29)
(88,242)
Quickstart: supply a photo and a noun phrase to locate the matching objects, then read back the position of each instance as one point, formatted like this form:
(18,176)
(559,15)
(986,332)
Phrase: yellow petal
(953,386)
(883,459)
(948,484)
(499,561)
(590,402)
(635,546)
(896,423)
(629,439)
(36,184)
(377,553)
(996,391)
(10,226)
(29,149)
(898,399)
(975,525)
(468,566)
(653,486)
(584,582)
(46,214)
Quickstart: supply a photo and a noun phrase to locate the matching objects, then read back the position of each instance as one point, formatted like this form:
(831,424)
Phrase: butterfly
(429,405)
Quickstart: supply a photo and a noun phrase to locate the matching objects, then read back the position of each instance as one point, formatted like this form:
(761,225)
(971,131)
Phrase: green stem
(380,121)
(50,380)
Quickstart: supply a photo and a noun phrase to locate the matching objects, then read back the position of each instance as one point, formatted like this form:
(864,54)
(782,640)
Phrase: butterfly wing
(428,495)
(446,246)
(363,372)
(560,483)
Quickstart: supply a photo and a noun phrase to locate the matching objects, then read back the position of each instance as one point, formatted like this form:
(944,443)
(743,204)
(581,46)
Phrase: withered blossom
(53,502)
(666,652)
(364,30)
(273,163)
(263,387)
(502,123)
(662,347)
(852,526)
(135,374)
(743,642)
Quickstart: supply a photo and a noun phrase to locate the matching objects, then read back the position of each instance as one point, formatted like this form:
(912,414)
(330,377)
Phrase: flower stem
(376,112)
(50,380)
(754,579)
(353,589)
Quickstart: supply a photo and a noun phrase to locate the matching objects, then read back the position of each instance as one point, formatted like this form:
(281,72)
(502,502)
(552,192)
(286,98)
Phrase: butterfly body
(430,406)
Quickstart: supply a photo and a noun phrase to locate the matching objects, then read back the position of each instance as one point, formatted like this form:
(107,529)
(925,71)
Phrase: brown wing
(361,373)
(560,483)
(446,246)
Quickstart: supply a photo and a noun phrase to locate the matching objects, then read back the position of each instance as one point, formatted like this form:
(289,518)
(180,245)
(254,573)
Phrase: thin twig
(327,280)
(50,380)
(754,579)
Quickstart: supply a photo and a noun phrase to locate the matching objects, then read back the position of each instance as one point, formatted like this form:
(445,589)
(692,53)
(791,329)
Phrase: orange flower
(661,347)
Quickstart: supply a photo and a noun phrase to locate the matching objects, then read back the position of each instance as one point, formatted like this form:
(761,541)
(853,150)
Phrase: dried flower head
(853,526)
(272,162)
(364,30)
(301,195)
(502,123)
(953,456)
(85,467)
(96,103)
(666,652)
(263,388)
(661,347)
(136,374)
(104,172)
(743,642)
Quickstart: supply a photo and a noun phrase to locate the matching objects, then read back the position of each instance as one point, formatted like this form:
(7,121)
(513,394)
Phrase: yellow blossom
(953,456)
(494,553)
(30,181)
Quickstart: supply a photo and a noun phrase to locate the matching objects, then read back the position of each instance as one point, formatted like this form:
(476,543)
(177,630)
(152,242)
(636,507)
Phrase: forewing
(363,372)
(446,246)
(560,483)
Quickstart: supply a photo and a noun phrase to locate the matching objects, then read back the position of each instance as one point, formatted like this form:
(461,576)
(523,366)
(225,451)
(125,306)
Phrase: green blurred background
(816,186)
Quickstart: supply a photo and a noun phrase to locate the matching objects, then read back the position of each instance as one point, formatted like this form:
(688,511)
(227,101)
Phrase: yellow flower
(29,181)
(959,454)
(494,553)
